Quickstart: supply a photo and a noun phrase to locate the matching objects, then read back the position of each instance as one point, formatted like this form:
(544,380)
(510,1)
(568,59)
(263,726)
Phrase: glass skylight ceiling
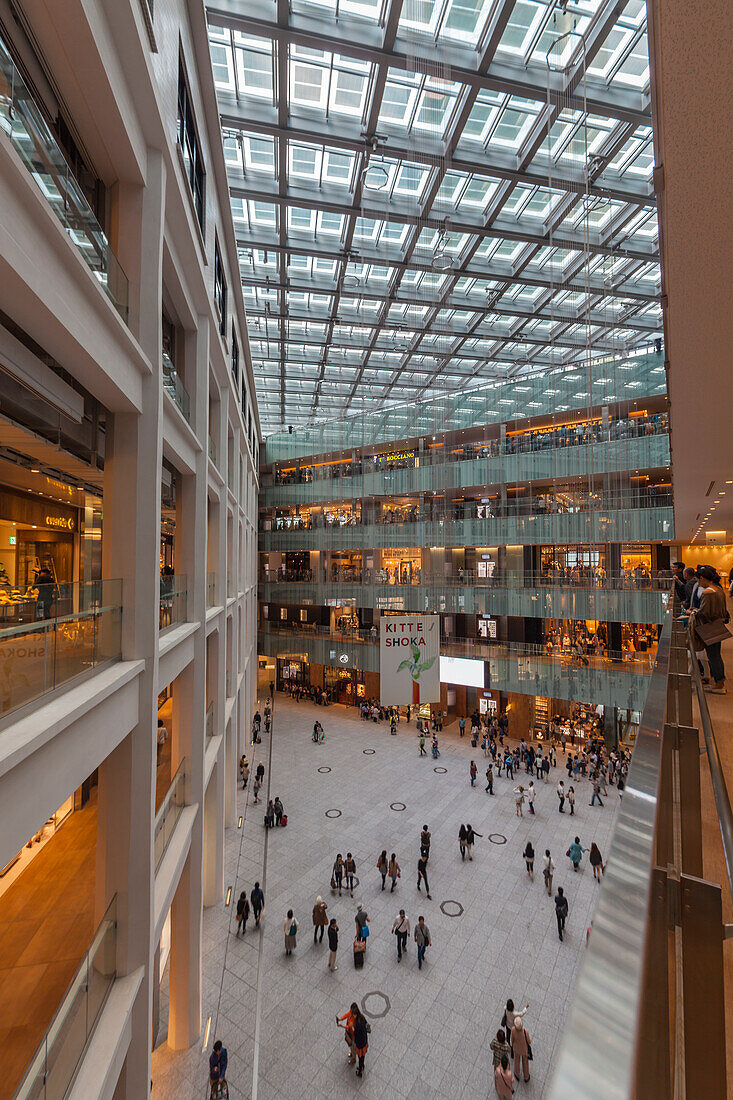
(388,166)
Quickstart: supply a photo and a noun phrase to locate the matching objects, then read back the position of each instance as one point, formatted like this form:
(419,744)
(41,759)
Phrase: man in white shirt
(401,929)
(548,870)
(561,795)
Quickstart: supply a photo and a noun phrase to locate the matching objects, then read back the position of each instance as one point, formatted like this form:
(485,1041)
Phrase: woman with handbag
(708,625)
(361,1039)
(394,870)
(290,928)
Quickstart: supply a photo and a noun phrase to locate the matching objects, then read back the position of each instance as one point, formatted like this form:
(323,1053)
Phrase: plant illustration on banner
(416,666)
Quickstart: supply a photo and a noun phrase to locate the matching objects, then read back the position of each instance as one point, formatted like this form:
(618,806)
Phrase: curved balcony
(616,680)
(640,599)
(559,518)
(486,465)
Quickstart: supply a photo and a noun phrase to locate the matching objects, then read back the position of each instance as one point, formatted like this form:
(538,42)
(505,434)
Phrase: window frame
(189,143)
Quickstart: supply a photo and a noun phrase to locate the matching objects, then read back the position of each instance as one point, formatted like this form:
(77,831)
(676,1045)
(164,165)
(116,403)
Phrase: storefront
(292,670)
(344,685)
(38,538)
(400,566)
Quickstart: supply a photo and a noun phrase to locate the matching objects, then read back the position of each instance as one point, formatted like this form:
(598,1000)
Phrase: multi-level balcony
(620,598)
(615,680)
(638,515)
(634,444)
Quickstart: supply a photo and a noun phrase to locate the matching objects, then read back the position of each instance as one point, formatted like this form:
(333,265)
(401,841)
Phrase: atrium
(366,549)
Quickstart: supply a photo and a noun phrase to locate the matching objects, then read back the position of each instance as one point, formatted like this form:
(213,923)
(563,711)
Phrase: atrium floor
(275,1014)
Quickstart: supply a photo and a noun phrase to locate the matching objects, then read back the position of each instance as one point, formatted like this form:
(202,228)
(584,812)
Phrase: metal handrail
(596,1060)
(717,778)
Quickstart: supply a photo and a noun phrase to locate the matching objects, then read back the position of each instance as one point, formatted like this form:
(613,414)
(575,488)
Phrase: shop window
(283,613)
(220,289)
(189,143)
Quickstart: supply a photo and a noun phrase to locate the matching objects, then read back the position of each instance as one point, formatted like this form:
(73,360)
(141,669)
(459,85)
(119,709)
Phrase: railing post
(703,989)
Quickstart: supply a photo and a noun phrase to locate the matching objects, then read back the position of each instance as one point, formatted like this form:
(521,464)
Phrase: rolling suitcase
(359,953)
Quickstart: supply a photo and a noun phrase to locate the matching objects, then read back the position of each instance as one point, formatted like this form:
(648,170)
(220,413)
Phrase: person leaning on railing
(708,624)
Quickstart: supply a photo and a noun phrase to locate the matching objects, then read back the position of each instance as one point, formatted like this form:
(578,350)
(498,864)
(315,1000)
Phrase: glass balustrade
(173,600)
(547,393)
(41,154)
(54,1064)
(169,812)
(580,578)
(51,633)
(542,443)
(174,387)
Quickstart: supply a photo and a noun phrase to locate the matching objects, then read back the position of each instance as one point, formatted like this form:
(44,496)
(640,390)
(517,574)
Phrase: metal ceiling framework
(347,308)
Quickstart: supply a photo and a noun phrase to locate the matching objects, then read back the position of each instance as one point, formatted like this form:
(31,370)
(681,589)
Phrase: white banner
(409,669)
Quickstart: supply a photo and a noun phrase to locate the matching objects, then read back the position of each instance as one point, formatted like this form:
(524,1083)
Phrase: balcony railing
(58,632)
(536,506)
(648,1014)
(37,147)
(54,1065)
(584,578)
(529,442)
(174,387)
(169,812)
(173,600)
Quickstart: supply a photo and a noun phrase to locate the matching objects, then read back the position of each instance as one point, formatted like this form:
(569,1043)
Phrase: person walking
(361,1039)
(256,786)
(504,1079)
(596,861)
(471,835)
(383,867)
(571,800)
(421,742)
(561,911)
(473,772)
(529,859)
(320,920)
(422,939)
(548,870)
(462,841)
(490,780)
(278,808)
(422,874)
(575,852)
(519,800)
(425,842)
(394,871)
(531,792)
(461,726)
(290,928)
(244,770)
(218,1062)
(242,914)
(337,873)
(258,903)
(596,792)
(333,944)
(270,815)
(362,922)
(347,1020)
(350,871)
(561,796)
(499,1047)
(521,1045)
(401,929)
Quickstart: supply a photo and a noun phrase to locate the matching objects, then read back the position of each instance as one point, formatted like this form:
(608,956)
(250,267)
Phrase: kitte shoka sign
(409,648)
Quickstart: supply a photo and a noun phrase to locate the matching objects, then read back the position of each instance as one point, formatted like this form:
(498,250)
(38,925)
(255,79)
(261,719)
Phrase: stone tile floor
(275,1014)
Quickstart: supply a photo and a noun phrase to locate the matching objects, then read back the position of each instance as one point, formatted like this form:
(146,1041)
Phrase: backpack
(293,929)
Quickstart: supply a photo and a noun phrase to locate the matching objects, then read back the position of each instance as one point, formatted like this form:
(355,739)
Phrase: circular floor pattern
(324,770)
(398,806)
(497,838)
(333,813)
(440,771)
(450,901)
(372,1012)
(368,752)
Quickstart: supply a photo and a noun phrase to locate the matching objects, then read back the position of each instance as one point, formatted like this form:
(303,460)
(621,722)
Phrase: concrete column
(131,550)
(184,1023)
(213,841)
